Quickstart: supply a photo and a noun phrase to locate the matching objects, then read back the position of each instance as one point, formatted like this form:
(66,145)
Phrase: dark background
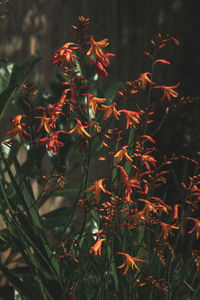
(42,26)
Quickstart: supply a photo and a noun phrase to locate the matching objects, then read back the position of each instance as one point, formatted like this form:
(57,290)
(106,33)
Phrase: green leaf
(6,69)
(112,91)
(70,189)
(57,217)
(16,282)
(17,78)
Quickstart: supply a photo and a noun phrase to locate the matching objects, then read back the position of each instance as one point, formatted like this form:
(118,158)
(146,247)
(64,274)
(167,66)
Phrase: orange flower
(93,101)
(44,123)
(97,187)
(95,47)
(122,153)
(65,55)
(132,118)
(147,160)
(102,58)
(96,249)
(110,109)
(166,229)
(143,79)
(129,182)
(149,207)
(175,212)
(168,91)
(130,261)
(52,141)
(18,129)
(80,129)
(99,65)
(196,226)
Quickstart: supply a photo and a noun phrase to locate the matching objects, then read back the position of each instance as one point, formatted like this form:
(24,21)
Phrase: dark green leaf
(57,217)
(18,77)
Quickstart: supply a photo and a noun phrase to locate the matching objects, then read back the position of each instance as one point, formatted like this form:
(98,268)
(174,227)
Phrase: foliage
(120,235)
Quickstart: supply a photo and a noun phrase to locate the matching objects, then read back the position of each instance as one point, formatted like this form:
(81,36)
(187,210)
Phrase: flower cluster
(126,205)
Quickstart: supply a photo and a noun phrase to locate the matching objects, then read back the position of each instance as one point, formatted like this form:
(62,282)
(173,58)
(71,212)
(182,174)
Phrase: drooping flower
(130,261)
(110,109)
(132,118)
(96,249)
(143,79)
(122,153)
(166,229)
(196,226)
(130,182)
(102,58)
(92,101)
(80,129)
(99,66)
(65,55)
(168,91)
(44,123)
(96,48)
(147,159)
(97,187)
(18,128)
(53,143)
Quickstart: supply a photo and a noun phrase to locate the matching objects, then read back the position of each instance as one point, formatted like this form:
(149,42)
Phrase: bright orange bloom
(44,123)
(122,153)
(137,218)
(132,117)
(166,229)
(18,129)
(168,91)
(130,261)
(97,187)
(65,55)
(102,58)
(149,207)
(143,79)
(96,249)
(95,47)
(80,129)
(52,142)
(129,182)
(110,109)
(93,101)
(196,227)
(147,160)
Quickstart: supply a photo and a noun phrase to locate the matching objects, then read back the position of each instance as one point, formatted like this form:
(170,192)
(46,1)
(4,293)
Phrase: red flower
(102,58)
(130,261)
(96,249)
(80,129)
(18,129)
(132,118)
(122,153)
(52,142)
(196,227)
(143,79)
(95,47)
(168,91)
(65,55)
(92,102)
(110,109)
(166,229)
(97,187)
